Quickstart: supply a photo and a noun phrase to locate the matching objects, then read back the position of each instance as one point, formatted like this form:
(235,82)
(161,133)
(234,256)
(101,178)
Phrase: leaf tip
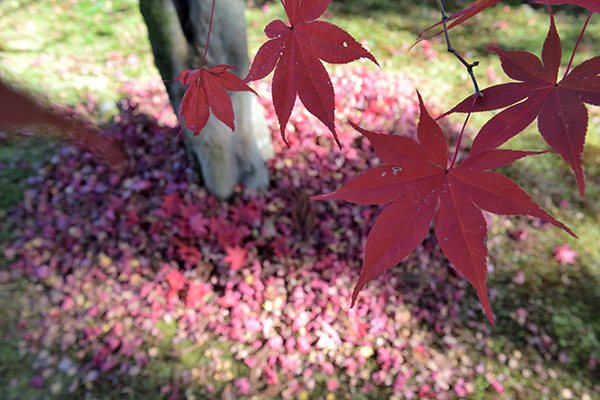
(319,197)
(581,184)
(491,318)
(354,297)
(485,302)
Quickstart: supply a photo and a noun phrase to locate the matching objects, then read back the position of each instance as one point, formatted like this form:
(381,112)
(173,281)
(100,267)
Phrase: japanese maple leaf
(170,205)
(207,91)
(196,293)
(417,178)
(18,109)
(187,253)
(294,51)
(236,257)
(592,5)
(472,9)
(176,279)
(558,106)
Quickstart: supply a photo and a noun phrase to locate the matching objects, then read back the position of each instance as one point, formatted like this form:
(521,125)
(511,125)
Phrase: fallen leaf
(236,257)
(565,255)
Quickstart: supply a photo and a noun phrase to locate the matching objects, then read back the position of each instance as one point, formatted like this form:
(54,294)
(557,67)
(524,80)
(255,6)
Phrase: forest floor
(147,287)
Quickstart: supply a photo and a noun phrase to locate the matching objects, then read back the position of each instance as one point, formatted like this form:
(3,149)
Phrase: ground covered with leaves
(125,285)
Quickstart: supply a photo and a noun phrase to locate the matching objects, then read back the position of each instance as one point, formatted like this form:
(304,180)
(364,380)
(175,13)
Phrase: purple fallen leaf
(37,382)
(141,185)
(242,385)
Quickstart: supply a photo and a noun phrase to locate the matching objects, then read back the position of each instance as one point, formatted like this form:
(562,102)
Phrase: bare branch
(452,50)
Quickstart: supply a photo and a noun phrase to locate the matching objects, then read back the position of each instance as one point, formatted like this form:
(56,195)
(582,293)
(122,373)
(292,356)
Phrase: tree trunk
(177,30)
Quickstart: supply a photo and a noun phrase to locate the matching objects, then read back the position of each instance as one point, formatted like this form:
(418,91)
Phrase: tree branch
(453,50)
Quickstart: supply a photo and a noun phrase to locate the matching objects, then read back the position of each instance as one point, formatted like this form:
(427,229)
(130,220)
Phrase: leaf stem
(577,45)
(462,131)
(452,50)
(212,12)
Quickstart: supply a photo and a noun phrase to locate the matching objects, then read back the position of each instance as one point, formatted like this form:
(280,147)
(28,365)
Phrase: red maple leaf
(187,253)
(472,9)
(19,109)
(236,257)
(592,5)
(176,279)
(415,180)
(294,51)
(196,294)
(170,205)
(559,106)
(207,91)
(479,5)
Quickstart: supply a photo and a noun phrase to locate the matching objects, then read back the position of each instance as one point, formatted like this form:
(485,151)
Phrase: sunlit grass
(66,48)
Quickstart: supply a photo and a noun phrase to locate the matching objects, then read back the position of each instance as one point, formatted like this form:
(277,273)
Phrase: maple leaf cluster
(294,51)
(423,188)
(419,179)
(479,5)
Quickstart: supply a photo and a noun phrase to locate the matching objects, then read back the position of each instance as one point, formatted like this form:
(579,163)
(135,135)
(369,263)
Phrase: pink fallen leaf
(196,294)
(242,385)
(304,344)
(176,280)
(565,255)
(519,278)
(236,257)
(230,299)
(290,343)
(250,362)
(276,342)
(497,386)
(272,378)
(253,325)
(332,385)
(172,297)
(327,368)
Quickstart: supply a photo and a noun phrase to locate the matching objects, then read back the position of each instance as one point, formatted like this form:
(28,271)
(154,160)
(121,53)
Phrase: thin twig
(452,50)
(212,12)
(577,44)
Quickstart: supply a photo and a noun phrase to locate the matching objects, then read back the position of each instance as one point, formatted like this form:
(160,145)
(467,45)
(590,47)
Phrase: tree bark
(177,30)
